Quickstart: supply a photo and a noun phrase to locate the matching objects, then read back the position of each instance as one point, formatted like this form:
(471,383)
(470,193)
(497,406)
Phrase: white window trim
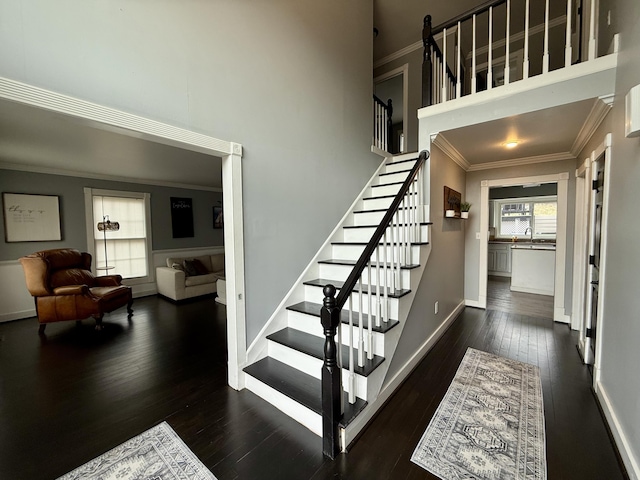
(89,193)
(497,217)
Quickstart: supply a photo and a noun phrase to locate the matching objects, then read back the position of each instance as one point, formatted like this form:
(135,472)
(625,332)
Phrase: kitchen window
(515,216)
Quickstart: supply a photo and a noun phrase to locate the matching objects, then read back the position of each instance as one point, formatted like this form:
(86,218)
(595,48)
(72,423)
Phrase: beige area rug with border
(489,425)
(158,454)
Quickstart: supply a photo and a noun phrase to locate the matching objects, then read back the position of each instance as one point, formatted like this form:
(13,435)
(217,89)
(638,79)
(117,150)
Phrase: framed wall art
(31,218)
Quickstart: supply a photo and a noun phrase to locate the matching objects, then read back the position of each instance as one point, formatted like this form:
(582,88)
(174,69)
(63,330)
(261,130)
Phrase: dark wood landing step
(313,309)
(299,386)
(321,282)
(314,346)
(351,263)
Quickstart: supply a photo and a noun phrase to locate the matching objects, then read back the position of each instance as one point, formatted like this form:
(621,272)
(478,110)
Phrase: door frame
(113,120)
(404,71)
(562,179)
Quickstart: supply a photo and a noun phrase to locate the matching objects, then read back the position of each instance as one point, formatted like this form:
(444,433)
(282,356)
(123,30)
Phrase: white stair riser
(361,217)
(313,366)
(398,166)
(298,412)
(315,295)
(364,234)
(392,178)
(384,190)
(377,203)
(311,325)
(353,252)
(341,272)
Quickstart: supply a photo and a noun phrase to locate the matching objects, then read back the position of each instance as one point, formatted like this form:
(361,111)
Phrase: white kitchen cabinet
(499,259)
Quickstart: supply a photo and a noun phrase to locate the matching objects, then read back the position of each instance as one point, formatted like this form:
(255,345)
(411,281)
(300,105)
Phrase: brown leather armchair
(64,288)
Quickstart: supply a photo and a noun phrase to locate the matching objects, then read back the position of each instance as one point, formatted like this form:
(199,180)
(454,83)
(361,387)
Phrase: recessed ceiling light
(511,144)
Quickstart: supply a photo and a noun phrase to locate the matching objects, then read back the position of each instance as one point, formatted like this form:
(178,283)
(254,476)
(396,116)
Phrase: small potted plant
(464,209)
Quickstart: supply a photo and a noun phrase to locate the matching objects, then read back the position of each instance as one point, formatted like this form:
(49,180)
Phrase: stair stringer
(279,319)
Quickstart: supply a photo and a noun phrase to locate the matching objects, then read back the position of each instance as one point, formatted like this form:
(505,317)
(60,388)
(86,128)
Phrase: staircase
(286,360)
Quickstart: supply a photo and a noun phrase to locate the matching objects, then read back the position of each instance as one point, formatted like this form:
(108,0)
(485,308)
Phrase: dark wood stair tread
(380,197)
(321,282)
(351,263)
(299,386)
(398,162)
(393,173)
(314,346)
(313,309)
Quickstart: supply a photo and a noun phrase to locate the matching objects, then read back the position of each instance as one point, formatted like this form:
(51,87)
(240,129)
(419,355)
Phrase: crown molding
(599,111)
(440,141)
(553,157)
(112,178)
(399,54)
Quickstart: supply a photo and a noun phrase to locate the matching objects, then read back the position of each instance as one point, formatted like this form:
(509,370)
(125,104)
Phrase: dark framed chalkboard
(182,217)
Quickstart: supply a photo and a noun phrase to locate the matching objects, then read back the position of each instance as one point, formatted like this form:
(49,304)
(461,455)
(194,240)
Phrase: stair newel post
(331,375)
(427,66)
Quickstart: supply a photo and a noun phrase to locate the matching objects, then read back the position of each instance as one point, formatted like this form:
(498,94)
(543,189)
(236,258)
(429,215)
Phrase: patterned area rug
(157,454)
(489,425)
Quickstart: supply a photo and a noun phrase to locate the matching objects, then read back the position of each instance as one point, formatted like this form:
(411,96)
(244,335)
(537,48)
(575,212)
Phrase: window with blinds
(124,249)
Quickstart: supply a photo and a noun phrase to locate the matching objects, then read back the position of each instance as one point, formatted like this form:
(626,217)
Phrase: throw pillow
(177,266)
(200,268)
(189,268)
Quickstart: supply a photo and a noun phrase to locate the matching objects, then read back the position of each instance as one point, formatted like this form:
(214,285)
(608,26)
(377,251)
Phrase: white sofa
(177,284)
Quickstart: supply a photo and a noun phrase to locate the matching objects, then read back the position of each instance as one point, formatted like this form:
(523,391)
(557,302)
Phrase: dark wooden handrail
(360,265)
(331,375)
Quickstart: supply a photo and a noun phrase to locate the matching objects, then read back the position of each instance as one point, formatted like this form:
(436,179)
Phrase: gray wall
(620,327)
(472,249)
(289,79)
(72,211)
(443,278)
(414,59)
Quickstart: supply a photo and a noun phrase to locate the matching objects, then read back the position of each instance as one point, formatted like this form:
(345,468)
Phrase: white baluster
(525,64)
(392,282)
(352,375)
(507,66)
(568,53)
(360,326)
(458,72)
(473,58)
(445,77)
(545,55)
(490,52)
(405,230)
(379,305)
(385,271)
(370,322)
(592,31)
(397,253)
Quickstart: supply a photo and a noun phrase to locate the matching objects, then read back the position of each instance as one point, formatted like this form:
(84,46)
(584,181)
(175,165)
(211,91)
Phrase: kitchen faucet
(530,233)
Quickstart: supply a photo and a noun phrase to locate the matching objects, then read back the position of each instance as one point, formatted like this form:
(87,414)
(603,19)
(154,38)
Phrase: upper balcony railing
(500,42)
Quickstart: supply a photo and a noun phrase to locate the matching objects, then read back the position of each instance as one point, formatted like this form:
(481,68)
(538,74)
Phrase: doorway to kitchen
(521,248)
(558,263)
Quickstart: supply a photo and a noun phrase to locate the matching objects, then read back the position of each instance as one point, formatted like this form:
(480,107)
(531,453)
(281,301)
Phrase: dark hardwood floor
(500,297)
(79,393)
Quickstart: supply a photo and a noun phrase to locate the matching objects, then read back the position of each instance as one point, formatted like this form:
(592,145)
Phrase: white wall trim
(392,385)
(514,162)
(562,179)
(97,176)
(599,111)
(103,117)
(623,444)
(440,141)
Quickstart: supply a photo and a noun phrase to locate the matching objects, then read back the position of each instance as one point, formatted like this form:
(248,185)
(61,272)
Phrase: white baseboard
(8,317)
(560,316)
(390,387)
(473,303)
(622,442)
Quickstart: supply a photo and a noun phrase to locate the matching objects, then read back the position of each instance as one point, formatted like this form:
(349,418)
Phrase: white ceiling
(40,140)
